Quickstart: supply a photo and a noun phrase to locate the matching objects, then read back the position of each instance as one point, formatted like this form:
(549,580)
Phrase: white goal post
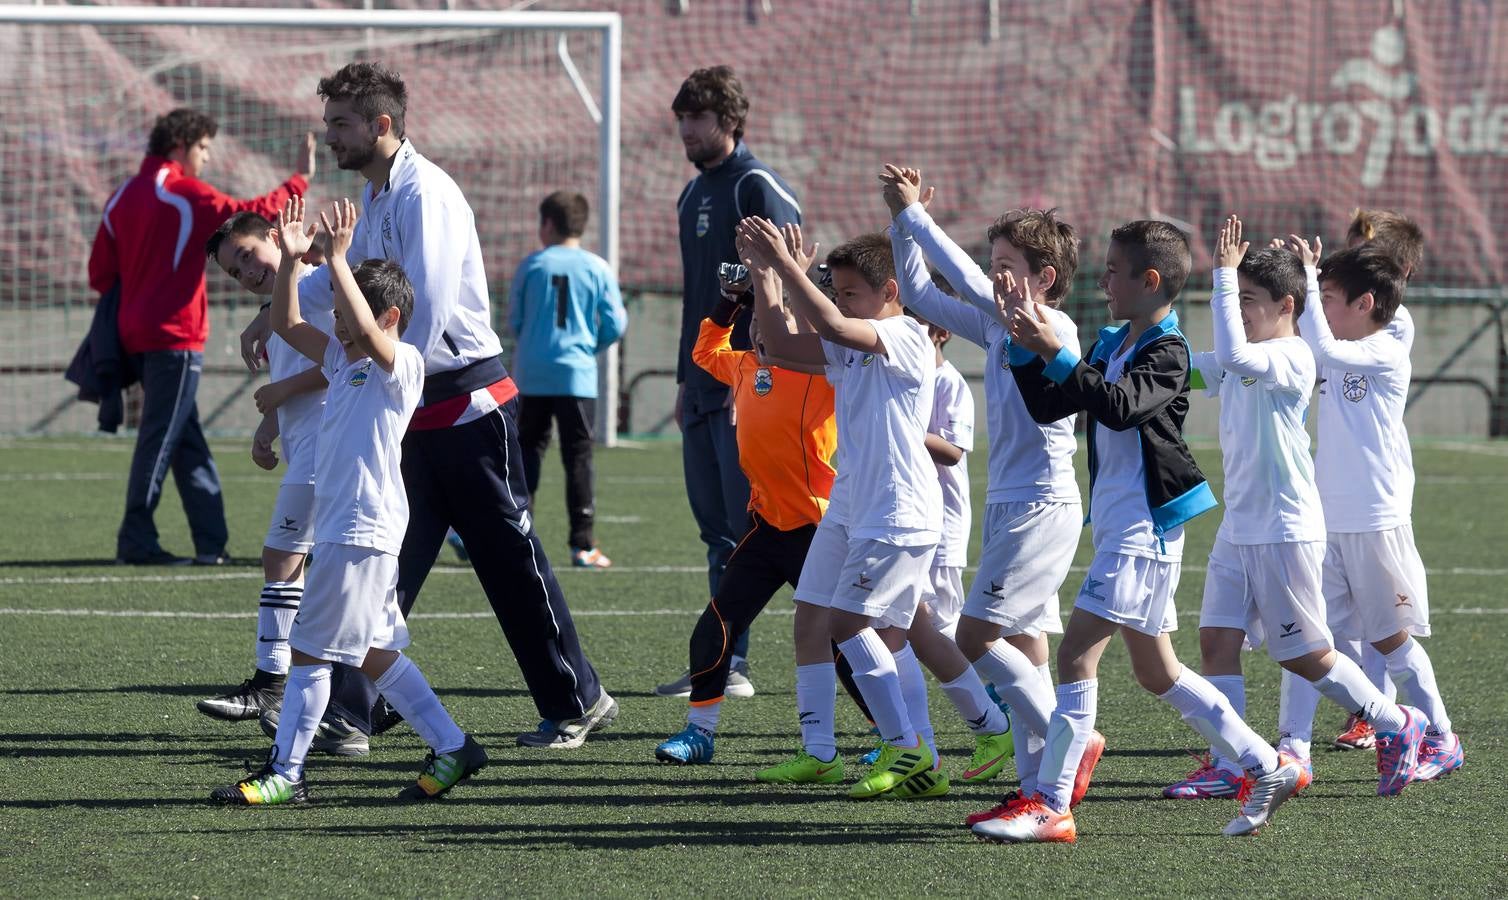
(605,110)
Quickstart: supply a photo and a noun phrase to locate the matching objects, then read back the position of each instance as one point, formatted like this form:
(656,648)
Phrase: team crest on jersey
(764,382)
(868,358)
(359,377)
(1353,387)
(1248,381)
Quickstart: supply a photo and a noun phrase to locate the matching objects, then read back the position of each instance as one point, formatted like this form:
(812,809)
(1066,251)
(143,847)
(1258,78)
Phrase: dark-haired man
(461,455)
(148,242)
(711,110)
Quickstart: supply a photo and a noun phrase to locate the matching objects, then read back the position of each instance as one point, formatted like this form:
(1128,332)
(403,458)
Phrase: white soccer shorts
(1028,549)
(1271,592)
(350,605)
(292,526)
(944,596)
(1374,585)
(1133,591)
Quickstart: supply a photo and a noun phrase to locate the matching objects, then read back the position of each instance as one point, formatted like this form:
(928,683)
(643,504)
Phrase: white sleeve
(1209,367)
(316,293)
(1402,327)
(907,346)
(1381,353)
(953,411)
(1233,351)
(971,283)
(433,237)
(920,294)
(335,358)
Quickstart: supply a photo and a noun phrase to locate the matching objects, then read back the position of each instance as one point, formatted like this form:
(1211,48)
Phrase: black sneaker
(257,694)
(334,736)
(157,557)
(443,771)
(264,787)
(384,718)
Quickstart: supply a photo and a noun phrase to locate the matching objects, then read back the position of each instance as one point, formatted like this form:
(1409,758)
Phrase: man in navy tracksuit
(711,109)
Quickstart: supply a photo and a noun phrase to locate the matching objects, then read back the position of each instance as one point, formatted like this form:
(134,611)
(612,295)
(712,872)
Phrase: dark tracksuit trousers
(470,477)
(575,418)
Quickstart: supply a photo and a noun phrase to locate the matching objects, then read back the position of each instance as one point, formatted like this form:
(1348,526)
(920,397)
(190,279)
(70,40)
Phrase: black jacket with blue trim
(1151,396)
(708,209)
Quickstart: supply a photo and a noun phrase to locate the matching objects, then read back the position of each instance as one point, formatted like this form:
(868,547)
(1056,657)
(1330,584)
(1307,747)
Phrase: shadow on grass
(124,568)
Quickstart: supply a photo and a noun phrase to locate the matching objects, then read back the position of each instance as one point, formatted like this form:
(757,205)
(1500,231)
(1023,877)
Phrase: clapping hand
(294,238)
(340,228)
(1308,254)
(903,187)
(1229,248)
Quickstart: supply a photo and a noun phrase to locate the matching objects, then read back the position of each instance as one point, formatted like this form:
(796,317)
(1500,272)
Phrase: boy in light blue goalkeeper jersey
(564,308)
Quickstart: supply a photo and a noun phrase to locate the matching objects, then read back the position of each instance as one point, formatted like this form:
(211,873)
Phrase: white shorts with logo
(1271,592)
(1028,549)
(1374,585)
(945,598)
(350,605)
(870,578)
(1133,591)
(292,525)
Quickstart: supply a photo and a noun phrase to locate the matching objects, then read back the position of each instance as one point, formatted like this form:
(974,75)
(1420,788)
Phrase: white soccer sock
(279,604)
(406,689)
(1297,702)
(304,701)
(1208,712)
(1020,684)
(1375,665)
(979,712)
(816,704)
(1068,732)
(1348,686)
(1415,676)
(1234,689)
(705,716)
(875,674)
(914,691)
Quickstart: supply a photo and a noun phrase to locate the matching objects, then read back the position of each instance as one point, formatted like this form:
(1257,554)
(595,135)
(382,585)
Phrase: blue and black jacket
(708,209)
(1151,396)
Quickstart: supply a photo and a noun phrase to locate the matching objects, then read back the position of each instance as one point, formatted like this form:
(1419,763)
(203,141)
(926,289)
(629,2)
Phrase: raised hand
(293,236)
(1307,253)
(765,243)
(340,226)
(802,254)
(1229,248)
(1031,329)
(903,187)
(1011,295)
(307,153)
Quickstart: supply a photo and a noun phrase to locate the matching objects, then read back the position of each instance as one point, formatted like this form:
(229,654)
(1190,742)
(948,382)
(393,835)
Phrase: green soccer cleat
(804,769)
(990,753)
(265,787)
(443,771)
(931,783)
(894,766)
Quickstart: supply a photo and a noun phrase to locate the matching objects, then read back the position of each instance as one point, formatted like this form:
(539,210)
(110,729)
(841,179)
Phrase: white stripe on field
(578,614)
(253,574)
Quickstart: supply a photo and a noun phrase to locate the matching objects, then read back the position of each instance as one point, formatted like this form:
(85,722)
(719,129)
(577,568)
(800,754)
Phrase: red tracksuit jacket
(152,240)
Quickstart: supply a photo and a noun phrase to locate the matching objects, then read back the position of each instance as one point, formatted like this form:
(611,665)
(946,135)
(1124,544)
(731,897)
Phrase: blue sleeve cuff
(1061,366)
(1019,355)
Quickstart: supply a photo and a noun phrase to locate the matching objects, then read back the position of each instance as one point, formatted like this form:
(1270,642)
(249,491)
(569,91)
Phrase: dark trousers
(764,560)
(169,438)
(471,478)
(575,417)
(717,490)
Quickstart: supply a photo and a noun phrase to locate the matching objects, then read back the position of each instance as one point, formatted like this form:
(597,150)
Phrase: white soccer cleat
(1261,797)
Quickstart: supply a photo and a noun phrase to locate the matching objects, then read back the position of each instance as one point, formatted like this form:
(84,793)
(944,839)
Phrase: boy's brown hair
(384,285)
(567,211)
(1153,244)
(1367,268)
(1044,241)
(867,254)
(1392,232)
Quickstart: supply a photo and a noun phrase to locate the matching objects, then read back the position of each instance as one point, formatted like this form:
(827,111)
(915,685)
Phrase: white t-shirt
(358,488)
(953,421)
(884,401)
(1364,464)
(1270,491)
(1118,507)
(1027,461)
(299,416)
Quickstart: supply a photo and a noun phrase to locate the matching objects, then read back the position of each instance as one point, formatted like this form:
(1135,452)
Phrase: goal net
(512,105)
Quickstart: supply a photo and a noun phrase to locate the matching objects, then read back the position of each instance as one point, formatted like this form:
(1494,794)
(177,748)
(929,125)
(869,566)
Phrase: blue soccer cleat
(691,746)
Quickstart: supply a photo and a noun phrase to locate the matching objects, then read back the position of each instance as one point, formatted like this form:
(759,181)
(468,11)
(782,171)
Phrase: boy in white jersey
(869,559)
(949,440)
(350,612)
(1033,517)
(1365,470)
(245,246)
(1144,485)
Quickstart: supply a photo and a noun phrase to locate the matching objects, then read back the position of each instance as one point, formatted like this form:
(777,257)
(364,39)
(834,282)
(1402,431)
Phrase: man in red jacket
(150,241)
